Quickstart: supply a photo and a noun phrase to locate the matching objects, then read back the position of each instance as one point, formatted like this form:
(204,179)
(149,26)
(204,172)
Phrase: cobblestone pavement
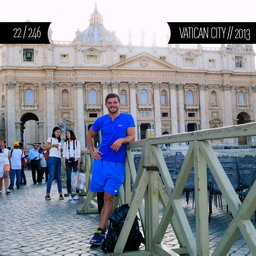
(31,226)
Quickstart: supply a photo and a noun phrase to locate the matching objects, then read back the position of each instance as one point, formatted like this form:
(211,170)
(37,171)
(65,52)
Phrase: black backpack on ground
(117,219)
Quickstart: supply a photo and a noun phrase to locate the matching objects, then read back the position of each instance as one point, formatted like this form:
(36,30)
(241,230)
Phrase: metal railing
(142,190)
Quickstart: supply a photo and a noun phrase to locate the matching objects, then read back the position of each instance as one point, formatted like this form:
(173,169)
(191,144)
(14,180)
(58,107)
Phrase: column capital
(49,84)
(253,87)
(180,86)
(133,85)
(11,84)
(172,85)
(203,87)
(115,84)
(156,85)
(42,83)
(226,87)
(105,85)
(78,85)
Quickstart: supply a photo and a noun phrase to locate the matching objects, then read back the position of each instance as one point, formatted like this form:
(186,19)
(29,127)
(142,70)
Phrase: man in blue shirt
(108,170)
(34,157)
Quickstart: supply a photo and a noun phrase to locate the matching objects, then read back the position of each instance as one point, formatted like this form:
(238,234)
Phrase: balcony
(145,107)
(93,107)
(190,107)
(214,105)
(239,106)
(29,106)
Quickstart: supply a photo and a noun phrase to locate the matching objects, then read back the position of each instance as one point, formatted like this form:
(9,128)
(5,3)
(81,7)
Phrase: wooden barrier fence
(143,190)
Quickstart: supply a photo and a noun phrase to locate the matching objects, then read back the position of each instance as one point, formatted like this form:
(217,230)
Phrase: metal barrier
(153,183)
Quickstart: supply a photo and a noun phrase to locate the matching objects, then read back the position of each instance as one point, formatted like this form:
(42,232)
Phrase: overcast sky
(123,16)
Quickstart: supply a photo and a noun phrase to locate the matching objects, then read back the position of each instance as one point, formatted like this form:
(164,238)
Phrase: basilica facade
(172,89)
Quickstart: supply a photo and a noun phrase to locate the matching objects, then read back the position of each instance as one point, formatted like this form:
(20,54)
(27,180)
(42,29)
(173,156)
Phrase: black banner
(24,32)
(212,32)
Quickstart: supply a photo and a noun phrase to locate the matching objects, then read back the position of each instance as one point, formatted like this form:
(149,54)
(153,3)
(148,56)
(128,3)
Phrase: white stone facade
(172,89)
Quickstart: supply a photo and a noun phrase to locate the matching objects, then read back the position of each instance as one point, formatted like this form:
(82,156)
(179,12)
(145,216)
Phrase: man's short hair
(112,95)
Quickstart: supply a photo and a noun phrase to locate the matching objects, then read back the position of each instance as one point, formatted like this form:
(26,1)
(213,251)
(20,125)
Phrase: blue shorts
(107,176)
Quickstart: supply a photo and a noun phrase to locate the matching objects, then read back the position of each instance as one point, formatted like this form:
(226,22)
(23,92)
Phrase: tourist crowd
(44,161)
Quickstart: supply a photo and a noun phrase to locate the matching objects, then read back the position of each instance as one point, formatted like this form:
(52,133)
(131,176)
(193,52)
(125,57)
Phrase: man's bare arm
(90,143)
(129,138)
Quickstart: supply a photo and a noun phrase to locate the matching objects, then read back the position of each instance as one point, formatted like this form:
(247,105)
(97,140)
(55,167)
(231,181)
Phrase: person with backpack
(54,162)
(108,170)
(72,156)
(16,157)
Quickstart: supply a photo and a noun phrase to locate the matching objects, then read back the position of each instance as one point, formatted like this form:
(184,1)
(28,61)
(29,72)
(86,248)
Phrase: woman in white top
(72,155)
(54,162)
(4,166)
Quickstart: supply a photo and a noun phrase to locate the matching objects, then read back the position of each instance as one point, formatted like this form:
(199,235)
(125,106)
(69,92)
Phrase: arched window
(190,97)
(163,99)
(3,101)
(143,96)
(28,97)
(65,98)
(214,98)
(92,97)
(123,97)
(240,98)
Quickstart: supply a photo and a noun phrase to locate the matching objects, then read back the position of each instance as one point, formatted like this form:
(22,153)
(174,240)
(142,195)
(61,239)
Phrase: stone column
(80,113)
(2,127)
(50,107)
(203,106)
(18,131)
(227,105)
(254,101)
(133,104)
(181,108)
(40,131)
(11,112)
(227,110)
(174,116)
(115,87)
(138,131)
(254,110)
(157,110)
(86,130)
(105,86)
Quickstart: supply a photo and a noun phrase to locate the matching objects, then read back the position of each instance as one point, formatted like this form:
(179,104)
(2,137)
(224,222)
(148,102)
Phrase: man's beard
(113,112)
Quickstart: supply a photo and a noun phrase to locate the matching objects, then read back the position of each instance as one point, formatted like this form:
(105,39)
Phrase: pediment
(191,54)
(143,61)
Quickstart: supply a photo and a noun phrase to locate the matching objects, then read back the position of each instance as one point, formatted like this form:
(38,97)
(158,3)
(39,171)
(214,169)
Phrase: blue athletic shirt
(110,132)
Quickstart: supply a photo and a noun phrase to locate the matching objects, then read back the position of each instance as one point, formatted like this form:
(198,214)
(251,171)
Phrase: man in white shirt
(16,157)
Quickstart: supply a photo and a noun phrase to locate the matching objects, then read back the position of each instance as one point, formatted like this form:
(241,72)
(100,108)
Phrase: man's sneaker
(61,197)
(76,197)
(47,197)
(97,238)
(70,198)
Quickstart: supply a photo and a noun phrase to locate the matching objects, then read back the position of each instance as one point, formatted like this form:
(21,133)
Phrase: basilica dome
(96,32)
